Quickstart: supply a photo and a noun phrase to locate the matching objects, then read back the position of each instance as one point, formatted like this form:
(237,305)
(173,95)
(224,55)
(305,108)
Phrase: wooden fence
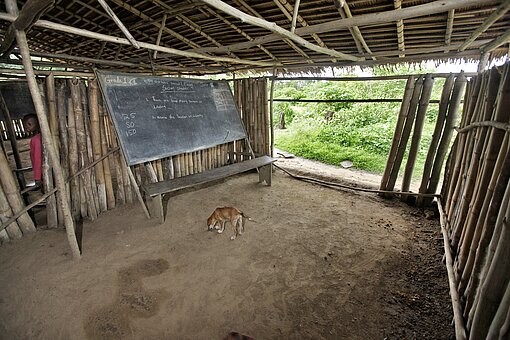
(476,209)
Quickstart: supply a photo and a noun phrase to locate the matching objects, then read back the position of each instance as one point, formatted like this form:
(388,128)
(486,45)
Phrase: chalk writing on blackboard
(156,117)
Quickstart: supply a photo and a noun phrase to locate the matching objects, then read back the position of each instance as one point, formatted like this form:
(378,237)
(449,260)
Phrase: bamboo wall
(98,177)
(476,200)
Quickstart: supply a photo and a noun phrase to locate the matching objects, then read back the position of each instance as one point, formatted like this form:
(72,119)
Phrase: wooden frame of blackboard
(157,117)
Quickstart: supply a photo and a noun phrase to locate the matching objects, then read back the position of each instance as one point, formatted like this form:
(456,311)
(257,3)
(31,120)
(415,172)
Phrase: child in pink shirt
(32,125)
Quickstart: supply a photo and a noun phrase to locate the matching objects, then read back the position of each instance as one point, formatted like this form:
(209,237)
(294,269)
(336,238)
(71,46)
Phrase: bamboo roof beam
(438,6)
(119,23)
(147,18)
(400,29)
(345,12)
(200,31)
(277,29)
(287,41)
(123,41)
(285,7)
(160,33)
(449,28)
(495,16)
(501,40)
(294,16)
(238,30)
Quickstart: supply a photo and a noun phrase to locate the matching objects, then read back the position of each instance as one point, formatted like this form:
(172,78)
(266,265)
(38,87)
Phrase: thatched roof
(210,36)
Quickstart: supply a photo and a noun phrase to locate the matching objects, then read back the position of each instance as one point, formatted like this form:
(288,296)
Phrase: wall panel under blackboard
(157,117)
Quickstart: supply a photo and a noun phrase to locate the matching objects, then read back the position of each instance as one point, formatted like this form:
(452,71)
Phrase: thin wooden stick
(443,106)
(405,134)
(110,194)
(458,92)
(460,330)
(417,131)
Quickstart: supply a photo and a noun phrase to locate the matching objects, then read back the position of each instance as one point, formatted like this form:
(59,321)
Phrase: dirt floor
(316,263)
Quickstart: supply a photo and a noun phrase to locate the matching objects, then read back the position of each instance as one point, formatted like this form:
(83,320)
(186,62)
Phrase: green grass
(307,145)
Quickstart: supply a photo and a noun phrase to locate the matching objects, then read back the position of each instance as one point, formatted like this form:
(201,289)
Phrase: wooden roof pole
(501,40)
(497,14)
(277,29)
(345,12)
(116,40)
(294,16)
(434,7)
(400,28)
(160,33)
(287,41)
(119,23)
(449,28)
(240,31)
(21,38)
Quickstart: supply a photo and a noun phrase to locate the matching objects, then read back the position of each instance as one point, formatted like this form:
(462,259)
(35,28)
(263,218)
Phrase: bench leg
(156,207)
(266,174)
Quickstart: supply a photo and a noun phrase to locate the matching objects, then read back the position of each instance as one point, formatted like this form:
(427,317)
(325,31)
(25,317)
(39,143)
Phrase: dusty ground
(316,264)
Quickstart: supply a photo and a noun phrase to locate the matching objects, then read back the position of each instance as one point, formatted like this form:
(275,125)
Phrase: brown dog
(224,214)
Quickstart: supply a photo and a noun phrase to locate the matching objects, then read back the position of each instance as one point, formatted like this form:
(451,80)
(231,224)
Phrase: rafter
(497,14)
(501,40)
(277,29)
(238,30)
(449,28)
(104,37)
(119,23)
(400,28)
(345,12)
(294,16)
(359,20)
(287,41)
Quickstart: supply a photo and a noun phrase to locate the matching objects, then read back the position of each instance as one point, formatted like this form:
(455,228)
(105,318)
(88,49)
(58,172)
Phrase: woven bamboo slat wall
(98,176)
(476,197)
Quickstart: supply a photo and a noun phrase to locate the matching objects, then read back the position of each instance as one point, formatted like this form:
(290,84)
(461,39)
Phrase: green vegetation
(359,132)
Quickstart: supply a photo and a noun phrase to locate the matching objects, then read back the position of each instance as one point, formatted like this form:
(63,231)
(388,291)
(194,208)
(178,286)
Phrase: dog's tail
(247,217)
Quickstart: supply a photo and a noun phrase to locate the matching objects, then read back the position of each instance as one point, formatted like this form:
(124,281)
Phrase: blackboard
(17,98)
(157,117)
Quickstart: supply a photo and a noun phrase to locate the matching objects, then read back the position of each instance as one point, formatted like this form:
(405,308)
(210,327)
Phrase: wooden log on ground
(417,131)
(440,122)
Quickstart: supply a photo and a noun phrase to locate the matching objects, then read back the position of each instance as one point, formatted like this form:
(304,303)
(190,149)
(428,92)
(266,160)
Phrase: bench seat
(154,191)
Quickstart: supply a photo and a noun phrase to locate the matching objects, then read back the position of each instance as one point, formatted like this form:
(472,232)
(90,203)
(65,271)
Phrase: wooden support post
(45,131)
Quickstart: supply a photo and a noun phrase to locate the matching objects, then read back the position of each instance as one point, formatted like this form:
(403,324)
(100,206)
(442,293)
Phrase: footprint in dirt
(132,301)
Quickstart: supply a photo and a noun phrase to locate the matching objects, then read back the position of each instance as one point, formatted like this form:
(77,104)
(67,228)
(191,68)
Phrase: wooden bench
(155,191)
